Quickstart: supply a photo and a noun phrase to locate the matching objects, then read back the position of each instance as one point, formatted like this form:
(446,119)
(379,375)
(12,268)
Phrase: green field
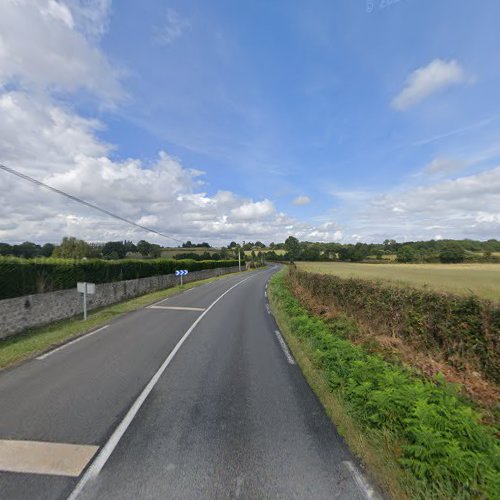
(481,279)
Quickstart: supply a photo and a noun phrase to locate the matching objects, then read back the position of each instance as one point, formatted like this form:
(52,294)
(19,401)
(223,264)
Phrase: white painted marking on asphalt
(265,293)
(267,309)
(360,480)
(93,471)
(176,308)
(239,484)
(283,345)
(60,348)
(41,457)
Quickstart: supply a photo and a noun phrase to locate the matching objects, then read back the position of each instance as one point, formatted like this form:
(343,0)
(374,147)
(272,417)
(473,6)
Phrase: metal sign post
(181,273)
(85,288)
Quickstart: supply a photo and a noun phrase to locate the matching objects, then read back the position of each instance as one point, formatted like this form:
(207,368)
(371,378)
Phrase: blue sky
(327,120)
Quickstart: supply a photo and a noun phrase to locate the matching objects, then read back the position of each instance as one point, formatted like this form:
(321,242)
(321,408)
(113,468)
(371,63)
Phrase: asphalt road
(228,416)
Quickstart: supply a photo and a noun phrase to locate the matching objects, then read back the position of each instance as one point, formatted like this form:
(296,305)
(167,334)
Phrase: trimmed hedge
(24,277)
(465,329)
(438,439)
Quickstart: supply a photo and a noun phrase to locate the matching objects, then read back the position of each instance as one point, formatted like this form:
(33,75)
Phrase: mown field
(481,279)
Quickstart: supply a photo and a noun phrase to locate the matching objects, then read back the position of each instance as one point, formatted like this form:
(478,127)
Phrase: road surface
(196,397)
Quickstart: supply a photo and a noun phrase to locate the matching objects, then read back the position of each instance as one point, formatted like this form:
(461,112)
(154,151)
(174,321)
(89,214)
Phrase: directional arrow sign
(181,272)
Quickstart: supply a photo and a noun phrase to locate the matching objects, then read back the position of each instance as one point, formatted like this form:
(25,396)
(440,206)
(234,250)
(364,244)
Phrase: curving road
(196,397)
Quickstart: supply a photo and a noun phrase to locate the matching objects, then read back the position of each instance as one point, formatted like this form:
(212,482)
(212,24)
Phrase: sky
(352,120)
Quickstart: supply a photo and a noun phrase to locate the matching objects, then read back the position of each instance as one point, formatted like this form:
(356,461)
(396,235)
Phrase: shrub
(464,329)
(23,277)
(442,444)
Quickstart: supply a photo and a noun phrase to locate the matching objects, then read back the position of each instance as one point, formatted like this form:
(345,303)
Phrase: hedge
(465,329)
(438,439)
(28,276)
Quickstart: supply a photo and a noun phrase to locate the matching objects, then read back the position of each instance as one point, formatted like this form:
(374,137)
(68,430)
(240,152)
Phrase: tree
(292,246)
(114,250)
(452,253)
(144,248)
(5,249)
(259,244)
(73,248)
(47,249)
(406,254)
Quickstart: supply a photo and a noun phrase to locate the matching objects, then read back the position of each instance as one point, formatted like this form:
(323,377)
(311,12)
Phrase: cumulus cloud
(428,80)
(302,200)
(47,139)
(468,206)
(55,55)
(173,28)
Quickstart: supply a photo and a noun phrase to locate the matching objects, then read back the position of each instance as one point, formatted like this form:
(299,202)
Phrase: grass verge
(34,341)
(417,439)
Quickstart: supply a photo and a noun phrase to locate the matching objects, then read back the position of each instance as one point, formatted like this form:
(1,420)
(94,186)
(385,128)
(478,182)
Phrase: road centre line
(100,461)
(283,345)
(57,349)
(178,308)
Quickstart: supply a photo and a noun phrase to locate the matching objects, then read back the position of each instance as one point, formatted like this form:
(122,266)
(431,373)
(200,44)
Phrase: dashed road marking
(283,345)
(39,457)
(178,308)
(60,348)
(361,481)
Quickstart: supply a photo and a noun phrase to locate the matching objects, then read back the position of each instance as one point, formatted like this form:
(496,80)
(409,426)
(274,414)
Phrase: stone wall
(29,311)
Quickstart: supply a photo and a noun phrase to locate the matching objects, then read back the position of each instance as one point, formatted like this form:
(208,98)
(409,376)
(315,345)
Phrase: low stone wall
(29,311)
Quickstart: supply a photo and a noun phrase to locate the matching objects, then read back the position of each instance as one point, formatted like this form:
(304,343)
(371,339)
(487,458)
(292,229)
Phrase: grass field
(481,279)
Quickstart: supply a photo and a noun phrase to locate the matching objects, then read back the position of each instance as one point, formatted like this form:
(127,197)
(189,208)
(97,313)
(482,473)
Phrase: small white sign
(80,286)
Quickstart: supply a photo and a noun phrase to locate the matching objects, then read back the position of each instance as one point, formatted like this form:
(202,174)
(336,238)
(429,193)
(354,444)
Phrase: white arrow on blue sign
(181,272)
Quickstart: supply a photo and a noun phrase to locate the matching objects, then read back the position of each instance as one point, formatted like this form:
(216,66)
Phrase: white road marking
(178,308)
(268,309)
(265,293)
(100,461)
(60,348)
(283,345)
(363,484)
(37,457)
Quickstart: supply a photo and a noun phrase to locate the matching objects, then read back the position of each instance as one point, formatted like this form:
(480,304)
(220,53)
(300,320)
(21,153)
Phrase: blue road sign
(181,272)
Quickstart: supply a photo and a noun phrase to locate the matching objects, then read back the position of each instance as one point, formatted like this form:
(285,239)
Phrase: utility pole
(239,260)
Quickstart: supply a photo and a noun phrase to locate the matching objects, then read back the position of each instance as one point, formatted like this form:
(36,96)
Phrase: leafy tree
(114,250)
(292,246)
(27,250)
(452,254)
(47,250)
(406,254)
(6,249)
(144,248)
(259,244)
(73,248)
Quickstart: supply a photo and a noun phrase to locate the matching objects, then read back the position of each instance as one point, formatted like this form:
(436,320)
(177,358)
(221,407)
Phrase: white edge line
(57,349)
(363,484)
(283,345)
(117,434)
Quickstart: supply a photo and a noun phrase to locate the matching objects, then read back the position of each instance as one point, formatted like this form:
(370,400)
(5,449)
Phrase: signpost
(85,288)
(181,273)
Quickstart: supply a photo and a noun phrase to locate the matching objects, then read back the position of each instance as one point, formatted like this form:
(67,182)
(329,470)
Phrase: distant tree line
(412,251)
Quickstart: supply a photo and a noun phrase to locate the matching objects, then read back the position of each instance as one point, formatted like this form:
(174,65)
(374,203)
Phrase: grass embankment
(32,342)
(481,279)
(417,437)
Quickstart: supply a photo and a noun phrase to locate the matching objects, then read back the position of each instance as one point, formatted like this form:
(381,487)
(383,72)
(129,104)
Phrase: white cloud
(302,200)
(174,27)
(428,80)
(41,49)
(250,210)
(442,165)
(468,206)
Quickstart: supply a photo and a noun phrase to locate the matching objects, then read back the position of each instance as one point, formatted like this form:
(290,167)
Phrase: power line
(83,202)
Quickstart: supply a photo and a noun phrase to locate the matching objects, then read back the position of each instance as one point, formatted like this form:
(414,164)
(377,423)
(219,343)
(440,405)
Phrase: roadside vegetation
(28,276)
(417,434)
(35,341)
(464,279)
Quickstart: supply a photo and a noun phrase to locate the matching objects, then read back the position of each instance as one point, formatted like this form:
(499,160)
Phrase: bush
(452,254)
(464,329)
(24,277)
(442,445)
